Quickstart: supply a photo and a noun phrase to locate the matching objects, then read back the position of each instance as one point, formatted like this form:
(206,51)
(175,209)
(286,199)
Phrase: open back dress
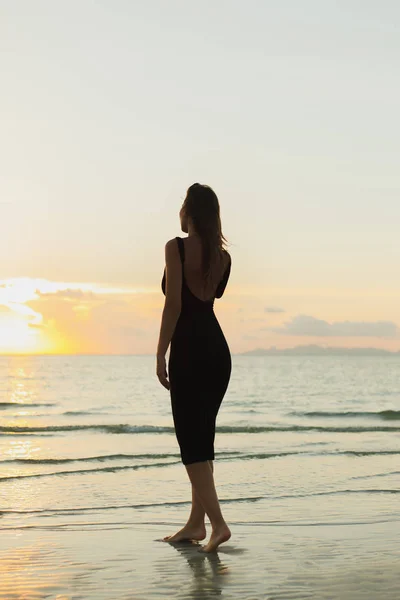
(199,369)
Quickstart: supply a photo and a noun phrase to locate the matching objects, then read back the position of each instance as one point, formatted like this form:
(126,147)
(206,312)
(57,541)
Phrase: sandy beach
(262,561)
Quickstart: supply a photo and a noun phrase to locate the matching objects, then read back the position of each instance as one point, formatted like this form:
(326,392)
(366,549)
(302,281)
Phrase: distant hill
(314,349)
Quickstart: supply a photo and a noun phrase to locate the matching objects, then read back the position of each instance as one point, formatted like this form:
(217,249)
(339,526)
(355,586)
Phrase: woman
(199,368)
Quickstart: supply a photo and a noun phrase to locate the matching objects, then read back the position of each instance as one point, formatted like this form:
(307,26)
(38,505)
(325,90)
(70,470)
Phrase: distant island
(314,349)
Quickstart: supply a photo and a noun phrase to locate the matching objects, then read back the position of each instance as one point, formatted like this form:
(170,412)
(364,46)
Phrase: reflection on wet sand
(28,572)
(209,572)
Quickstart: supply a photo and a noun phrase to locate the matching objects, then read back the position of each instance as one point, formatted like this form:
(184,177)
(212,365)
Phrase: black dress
(199,370)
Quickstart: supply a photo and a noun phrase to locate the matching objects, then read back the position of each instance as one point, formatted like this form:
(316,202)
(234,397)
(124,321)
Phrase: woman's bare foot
(187,533)
(218,536)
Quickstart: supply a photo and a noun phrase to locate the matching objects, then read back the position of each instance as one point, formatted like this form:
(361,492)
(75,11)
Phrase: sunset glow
(43,317)
(38,316)
(283,117)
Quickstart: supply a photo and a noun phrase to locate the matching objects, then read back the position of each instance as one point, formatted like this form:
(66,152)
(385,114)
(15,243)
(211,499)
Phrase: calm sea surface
(88,442)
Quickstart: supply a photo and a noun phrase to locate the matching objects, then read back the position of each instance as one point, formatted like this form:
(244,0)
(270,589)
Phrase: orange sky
(108,112)
(38,316)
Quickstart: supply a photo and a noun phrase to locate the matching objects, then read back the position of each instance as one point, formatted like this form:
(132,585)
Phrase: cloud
(4,308)
(127,330)
(24,311)
(68,294)
(81,317)
(273,309)
(306,325)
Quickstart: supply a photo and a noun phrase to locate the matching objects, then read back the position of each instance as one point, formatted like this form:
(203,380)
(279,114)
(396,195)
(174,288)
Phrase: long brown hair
(202,206)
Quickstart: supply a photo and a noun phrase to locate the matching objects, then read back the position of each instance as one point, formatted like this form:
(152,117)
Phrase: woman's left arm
(172,306)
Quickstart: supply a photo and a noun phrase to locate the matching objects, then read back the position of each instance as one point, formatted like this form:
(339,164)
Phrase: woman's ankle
(219,524)
(195,523)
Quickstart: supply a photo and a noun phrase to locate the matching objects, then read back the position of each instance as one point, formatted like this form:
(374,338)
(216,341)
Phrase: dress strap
(181,248)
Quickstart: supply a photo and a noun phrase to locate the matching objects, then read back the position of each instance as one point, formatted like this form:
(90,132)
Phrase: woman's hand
(162,371)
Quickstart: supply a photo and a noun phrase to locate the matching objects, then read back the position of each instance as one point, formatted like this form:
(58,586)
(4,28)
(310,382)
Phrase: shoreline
(110,561)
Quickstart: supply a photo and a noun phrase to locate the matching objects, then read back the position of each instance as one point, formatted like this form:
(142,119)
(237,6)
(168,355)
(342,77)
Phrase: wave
(263,455)
(172,459)
(335,492)
(85,509)
(28,434)
(100,458)
(117,428)
(24,405)
(121,506)
(372,475)
(124,428)
(350,429)
(112,469)
(369,452)
(386,415)
(73,413)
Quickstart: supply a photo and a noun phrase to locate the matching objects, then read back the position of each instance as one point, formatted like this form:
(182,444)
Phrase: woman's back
(193,256)
(197,295)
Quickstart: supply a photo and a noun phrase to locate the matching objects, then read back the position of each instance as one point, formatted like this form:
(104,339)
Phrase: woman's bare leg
(198,513)
(202,479)
(195,528)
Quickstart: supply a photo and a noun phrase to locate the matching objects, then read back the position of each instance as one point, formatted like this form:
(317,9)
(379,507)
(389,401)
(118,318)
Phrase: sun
(16,336)
(21,328)
(38,316)
(19,337)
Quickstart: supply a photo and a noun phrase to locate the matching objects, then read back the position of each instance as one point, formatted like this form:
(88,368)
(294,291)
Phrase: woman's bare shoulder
(227,257)
(171,248)
(171,242)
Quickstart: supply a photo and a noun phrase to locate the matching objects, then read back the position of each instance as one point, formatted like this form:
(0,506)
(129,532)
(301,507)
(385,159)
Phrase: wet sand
(261,561)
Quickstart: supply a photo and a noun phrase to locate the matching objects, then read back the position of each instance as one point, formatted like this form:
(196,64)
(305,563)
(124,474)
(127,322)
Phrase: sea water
(88,442)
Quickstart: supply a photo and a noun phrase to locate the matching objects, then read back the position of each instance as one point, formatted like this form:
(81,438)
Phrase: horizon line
(273,348)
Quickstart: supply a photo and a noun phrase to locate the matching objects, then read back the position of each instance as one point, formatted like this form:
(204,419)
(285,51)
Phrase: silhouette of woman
(199,367)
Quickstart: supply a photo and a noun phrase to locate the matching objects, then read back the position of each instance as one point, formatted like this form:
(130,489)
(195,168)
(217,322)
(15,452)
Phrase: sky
(109,110)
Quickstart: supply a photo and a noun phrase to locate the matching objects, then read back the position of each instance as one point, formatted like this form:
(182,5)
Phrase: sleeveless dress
(199,369)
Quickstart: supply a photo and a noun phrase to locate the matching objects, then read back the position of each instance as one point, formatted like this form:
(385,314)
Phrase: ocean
(307,469)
